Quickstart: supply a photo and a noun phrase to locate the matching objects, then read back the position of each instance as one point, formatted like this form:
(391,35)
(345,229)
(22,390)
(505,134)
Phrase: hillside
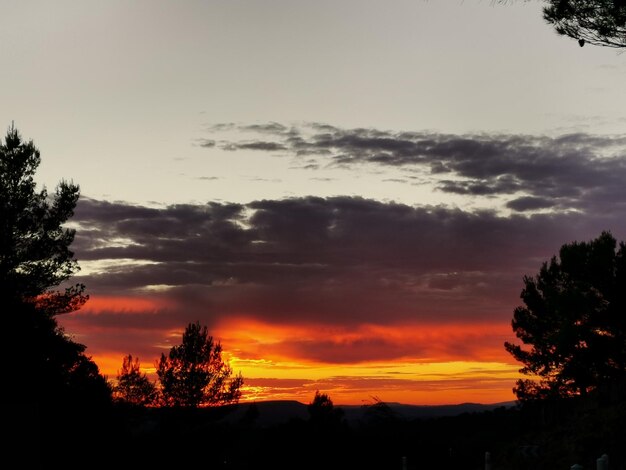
(281,411)
(281,435)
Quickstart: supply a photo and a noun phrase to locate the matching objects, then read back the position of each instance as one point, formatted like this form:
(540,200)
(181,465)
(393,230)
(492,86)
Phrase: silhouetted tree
(322,411)
(574,322)
(133,386)
(193,374)
(597,22)
(35,258)
(59,385)
(379,412)
(34,246)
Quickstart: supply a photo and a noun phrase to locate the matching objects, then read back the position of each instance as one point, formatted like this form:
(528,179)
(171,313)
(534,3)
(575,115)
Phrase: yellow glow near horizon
(405,382)
(426,364)
(410,370)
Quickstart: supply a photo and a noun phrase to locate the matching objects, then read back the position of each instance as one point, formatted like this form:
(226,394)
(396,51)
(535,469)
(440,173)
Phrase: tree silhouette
(34,246)
(193,374)
(134,387)
(574,321)
(35,257)
(379,412)
(322,411)
(597,22)
(52,378)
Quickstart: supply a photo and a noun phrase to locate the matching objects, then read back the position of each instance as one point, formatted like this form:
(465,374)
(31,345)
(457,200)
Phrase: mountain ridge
(271,412)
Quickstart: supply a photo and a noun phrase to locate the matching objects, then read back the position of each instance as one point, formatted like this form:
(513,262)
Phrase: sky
(348,194)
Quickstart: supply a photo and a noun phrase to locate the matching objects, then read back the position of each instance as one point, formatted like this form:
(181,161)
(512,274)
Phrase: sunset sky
(347,193)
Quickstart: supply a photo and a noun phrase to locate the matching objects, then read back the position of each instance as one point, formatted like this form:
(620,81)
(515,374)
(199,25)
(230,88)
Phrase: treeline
(549,436)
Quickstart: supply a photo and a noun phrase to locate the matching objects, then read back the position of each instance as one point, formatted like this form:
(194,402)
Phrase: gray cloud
(206,143)
(258,145)
(530,202)
(574,171)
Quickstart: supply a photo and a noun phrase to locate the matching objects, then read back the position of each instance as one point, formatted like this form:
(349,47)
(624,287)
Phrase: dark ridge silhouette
(273,412)
(286,435)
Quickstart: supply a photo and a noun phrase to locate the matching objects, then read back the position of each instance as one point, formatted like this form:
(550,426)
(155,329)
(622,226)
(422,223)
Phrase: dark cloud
(581,171)
(531,203)
(500,185)
(270,128)
(266,146)
(206,143)
(341,260)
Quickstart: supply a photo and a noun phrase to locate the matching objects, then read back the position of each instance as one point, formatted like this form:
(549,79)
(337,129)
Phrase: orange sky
(454,363)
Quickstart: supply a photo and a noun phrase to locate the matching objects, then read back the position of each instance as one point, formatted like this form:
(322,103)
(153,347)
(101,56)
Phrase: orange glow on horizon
(410,383)
(430,363)
(252,339)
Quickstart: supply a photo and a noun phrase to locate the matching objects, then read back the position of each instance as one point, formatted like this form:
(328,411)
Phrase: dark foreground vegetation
(546,437)
(540,436)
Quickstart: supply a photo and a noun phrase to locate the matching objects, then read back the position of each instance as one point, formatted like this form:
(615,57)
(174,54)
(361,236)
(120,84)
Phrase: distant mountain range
(269,413)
